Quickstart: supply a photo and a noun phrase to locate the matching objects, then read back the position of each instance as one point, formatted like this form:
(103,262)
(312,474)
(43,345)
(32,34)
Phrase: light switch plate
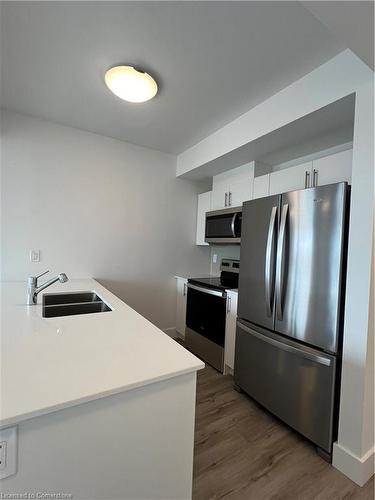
(8,451)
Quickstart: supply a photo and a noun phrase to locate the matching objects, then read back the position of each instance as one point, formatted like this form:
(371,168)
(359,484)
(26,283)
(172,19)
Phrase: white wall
(223,252)
(100,208)
(354,451)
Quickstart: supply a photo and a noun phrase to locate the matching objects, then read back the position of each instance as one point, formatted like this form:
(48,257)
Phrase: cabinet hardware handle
(315,178)
(230,199)
(226,199)
(185,287)
(229,304)
(307,179)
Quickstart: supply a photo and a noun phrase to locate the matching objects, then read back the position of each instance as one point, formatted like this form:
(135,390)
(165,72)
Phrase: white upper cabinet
(204,205)
(290,179)
(232,188)
(239,192)
(220,197)
(261,186)
(327,170)
(333,168)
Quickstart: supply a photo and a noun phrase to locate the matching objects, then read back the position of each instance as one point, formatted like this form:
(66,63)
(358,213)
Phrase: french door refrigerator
(290,307)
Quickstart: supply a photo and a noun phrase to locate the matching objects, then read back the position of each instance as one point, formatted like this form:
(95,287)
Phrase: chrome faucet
(33,289)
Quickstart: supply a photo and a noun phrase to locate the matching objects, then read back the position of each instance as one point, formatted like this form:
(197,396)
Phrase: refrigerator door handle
(280,263)
(286,347)
(268,268)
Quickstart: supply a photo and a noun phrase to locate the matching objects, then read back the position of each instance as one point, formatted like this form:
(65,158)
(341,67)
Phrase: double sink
(69,304)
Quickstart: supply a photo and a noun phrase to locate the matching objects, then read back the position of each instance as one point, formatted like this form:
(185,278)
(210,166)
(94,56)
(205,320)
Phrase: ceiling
(349,21)
(212,60)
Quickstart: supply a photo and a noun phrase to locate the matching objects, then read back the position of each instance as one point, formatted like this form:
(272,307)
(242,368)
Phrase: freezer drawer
(294,382)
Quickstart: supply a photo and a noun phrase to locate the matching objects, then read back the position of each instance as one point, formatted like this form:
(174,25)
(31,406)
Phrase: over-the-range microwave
(223,226)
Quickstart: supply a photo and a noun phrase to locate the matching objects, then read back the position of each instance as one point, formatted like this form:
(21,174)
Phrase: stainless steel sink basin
(50,299)
(69,304)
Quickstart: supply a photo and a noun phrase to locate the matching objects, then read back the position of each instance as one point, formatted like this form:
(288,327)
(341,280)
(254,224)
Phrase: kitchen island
(104,403)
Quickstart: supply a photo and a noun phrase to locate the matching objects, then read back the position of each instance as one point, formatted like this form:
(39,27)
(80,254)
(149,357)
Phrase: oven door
(223,226)
(205,324)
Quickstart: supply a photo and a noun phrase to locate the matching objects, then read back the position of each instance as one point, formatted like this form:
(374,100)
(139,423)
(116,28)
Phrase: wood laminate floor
(243,453)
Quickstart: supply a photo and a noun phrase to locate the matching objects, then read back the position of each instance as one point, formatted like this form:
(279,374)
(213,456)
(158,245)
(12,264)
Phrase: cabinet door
(291,179)
(261,186)
(219,197)
(230,330)
(333,168)
(181,305)
(204,205)
(239,192)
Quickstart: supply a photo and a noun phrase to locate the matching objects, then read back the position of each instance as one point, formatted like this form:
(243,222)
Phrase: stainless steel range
(206,311)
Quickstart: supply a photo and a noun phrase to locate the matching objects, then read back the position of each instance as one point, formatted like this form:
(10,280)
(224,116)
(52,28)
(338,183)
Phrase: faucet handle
(45,272)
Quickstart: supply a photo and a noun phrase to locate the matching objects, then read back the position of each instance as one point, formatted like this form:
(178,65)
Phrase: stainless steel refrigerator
(290,307)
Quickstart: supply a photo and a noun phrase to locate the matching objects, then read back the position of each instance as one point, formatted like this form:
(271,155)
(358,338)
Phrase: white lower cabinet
(230,331)
(181,305)
(204,205)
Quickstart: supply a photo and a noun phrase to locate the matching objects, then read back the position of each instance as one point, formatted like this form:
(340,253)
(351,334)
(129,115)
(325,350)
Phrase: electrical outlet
(3,455)
(34,255)
(8,452)
(214,258)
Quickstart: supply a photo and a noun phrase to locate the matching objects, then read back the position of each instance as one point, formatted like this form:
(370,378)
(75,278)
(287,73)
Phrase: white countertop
(52,363)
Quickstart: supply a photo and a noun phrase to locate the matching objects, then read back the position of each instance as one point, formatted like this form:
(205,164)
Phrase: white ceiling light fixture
(131,84)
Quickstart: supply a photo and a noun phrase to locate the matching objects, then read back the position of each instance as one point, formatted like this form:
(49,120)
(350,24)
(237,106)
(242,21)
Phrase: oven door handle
(207,290)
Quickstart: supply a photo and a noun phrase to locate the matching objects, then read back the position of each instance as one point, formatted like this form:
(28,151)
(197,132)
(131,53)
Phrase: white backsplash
(223,252)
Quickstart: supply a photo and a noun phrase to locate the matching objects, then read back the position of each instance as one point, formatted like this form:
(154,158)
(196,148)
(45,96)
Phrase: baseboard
(228,370)
(357,469)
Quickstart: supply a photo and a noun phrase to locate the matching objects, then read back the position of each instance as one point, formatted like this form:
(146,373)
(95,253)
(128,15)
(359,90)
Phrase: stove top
(217,282)
(228,279)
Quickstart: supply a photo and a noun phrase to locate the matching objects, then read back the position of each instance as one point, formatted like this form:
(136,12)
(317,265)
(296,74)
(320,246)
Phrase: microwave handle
(232,226)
